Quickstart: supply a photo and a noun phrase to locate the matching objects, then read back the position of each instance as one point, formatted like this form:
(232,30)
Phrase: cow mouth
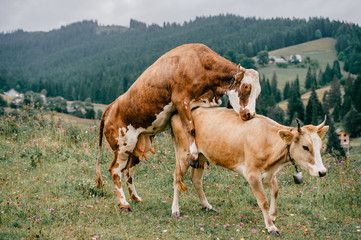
(246,115)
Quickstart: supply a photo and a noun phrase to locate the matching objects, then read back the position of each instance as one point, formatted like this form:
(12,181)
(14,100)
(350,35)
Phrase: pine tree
(334,97)
(333,144)
(353,122)
(336,69)
(327,76)
(356,93)
(336,113)
(309,80)
(274,89)
(286,90)
(314,111)
(295,105)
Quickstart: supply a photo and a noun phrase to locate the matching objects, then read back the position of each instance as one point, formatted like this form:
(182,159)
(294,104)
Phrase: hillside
(84,59)
(323,50)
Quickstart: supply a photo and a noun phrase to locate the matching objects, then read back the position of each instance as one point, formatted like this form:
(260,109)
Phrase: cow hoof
(209,209)
(275,233)
(126,209)
(176,215)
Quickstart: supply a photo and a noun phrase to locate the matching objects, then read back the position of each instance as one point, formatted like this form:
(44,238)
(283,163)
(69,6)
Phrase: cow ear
(239,76)
(286,136)
(321,132)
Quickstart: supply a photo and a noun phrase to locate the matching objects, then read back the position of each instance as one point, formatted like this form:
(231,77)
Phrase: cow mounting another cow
(258,149)
(186,77)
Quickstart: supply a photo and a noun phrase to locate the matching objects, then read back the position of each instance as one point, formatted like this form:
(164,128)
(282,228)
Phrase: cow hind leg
(129,172)
(274,194)
(118,164)
(179,143)
(196,178)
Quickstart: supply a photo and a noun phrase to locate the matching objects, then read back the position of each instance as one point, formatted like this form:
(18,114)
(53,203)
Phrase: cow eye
(245,86)
(306,148)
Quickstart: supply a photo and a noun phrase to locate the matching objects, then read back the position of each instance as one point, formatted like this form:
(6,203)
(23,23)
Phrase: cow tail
(99,181)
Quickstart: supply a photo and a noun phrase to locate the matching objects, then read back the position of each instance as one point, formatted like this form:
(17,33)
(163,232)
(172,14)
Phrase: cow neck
(291,159)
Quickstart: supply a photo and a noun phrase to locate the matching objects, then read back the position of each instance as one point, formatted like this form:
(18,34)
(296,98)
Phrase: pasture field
(323,50)
(47,179)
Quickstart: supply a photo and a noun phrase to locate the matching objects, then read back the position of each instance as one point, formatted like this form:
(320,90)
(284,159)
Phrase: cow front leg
(274,194)
(129,172)
(255,181)
(184,110)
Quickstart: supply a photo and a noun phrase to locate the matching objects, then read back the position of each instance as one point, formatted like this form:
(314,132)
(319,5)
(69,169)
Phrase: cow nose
(246,115)
(322,174)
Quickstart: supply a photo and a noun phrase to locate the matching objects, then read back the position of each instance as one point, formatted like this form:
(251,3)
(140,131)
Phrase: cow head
(243,92)
(305,147)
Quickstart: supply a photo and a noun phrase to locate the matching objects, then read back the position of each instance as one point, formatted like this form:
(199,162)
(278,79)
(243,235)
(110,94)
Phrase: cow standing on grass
(258,149)
(186,77)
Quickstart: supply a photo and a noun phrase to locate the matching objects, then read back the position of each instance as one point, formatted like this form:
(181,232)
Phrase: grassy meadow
(47,179)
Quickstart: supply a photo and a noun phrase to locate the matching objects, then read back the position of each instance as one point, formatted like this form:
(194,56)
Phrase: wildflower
(51,209)
(254,230)
(158,227)
(202,229)
(37,220)
(164,201)
(96,236)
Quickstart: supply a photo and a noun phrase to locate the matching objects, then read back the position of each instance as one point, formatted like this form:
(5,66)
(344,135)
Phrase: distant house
(279,60)
(343,136)
(12,93)
(297,56)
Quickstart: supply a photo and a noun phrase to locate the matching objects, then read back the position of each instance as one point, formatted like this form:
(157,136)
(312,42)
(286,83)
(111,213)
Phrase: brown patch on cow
(116,180)
(245,90)
(122,132)
(130,180)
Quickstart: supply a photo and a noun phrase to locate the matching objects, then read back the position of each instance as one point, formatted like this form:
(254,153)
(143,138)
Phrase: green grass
(322,50)
(47,180)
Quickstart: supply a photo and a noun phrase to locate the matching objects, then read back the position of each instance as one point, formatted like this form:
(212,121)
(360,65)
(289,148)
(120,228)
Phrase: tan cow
(258,149)
(186,77)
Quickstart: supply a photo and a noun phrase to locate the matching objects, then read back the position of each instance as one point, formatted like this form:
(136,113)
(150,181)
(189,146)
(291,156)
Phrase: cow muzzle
(246,115)
(322,173)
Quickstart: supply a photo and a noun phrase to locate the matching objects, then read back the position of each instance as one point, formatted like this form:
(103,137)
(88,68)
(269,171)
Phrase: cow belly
(161,122)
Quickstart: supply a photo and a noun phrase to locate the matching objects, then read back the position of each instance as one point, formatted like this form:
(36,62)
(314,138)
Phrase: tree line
(85,59)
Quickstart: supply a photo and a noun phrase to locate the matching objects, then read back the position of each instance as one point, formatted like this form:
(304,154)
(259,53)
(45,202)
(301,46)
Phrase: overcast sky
(44,15)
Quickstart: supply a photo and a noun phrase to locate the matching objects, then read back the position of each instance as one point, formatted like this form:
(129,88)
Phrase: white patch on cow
(193,150)
(251,77)
(234,100)
(205,103)
(161,122)
(130,138)
(122,200)
(318,166)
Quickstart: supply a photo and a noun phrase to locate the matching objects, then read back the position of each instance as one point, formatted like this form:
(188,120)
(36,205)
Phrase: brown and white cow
(186,77)
(258,149)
